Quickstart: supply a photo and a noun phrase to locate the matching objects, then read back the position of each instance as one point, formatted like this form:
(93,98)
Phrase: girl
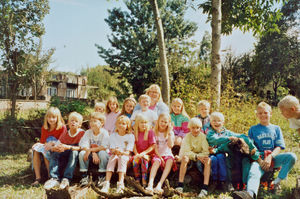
(53,127)
(163,153)
(144,145)
(180,120)
(112,112)
(128,106)
(121,144)
(100,107)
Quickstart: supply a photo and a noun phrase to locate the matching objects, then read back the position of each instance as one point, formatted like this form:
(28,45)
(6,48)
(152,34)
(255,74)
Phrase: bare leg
(153,172)
(165,174)
(37,164)
(183,167)
(47,166)
(207,166)
(178,141)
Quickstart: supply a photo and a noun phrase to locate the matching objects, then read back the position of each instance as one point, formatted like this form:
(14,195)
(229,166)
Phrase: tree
(20,25)
(134,53)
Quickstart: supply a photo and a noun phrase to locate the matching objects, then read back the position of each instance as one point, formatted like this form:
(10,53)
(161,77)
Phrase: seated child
(94,144)
(203,108)
(194,147)
(121,143)
(100,107)
(128,106)
(180,120)
(112,112)
(64,155)
(163,154)
(143,148)
(53,127)
(266,137)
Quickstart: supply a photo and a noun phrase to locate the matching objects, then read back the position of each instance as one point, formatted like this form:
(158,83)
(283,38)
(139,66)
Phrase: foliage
(134,52)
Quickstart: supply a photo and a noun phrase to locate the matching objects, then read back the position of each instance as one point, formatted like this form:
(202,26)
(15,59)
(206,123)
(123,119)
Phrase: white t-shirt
(123,143)
(294,123)
(89,140)
(162,144)
(149,114)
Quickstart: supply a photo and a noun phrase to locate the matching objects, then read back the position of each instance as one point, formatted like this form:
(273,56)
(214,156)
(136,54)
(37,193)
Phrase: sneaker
(50,184)
(275,188)
(203,193)
(242,195)
(230,187)
(180,189)
(64,183)
(212,187)
(158,190)
(84,181)
(105,187)
(223,186)
(100,182)
(150,189)
(120,187)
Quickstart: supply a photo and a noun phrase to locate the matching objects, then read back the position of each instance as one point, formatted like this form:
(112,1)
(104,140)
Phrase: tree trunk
(215,54)
(13,98)
(162,53)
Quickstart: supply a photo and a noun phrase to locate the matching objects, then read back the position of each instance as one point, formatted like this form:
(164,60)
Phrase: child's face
(112,106)
(143,126)
(195,130)
(52,120)
(217,123)
(144,103)
(129,106)
(153,94)
(176,107)
(203,110)
(74,123)
(99,109)
(286,112)
(163,123)
(121,126)
(95,124)
(263,115)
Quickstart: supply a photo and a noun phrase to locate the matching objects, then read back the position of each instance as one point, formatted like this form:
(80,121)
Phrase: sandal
(158,191)
(36,182)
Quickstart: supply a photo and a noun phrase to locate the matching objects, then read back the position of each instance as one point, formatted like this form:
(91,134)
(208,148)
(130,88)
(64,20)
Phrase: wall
(24,104)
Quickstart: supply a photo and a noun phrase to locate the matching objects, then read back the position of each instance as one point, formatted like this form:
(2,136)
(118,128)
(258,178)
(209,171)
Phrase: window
(51,91)
(71,93)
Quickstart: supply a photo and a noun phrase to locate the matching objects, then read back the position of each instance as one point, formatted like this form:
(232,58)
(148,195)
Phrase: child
(144,145)
(180,120)
(203,109)
(94,144)
(121,144)
(112,112)
(194,147)
(128,106)
(151,116)
(64,155)
(163,154)
(53,127)
(100,107)
(266,136)
(290,109)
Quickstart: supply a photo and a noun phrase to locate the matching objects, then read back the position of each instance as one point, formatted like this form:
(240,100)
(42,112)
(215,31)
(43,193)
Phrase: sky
(73,27)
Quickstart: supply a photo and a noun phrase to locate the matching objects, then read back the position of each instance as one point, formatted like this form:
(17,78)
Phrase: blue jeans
(84,165)
(284,160)
(58,161)
(218,167)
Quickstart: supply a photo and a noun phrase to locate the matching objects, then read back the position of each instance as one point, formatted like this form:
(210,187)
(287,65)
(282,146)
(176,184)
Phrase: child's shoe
(275,188)
(179,189)
(150,189)
(158,190)
(120,187)
(50,184)
(84,181)
(64,183)
(230,187)
(203,193)
(105,187)
(100,182)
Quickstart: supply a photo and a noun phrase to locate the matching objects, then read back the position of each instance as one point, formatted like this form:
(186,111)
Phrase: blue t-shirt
(266,137)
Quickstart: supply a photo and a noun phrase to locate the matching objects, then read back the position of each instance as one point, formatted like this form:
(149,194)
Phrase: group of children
(140,137)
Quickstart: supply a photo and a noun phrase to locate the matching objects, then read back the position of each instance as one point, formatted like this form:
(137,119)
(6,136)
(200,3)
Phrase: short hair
(127,120)
(112,99)
(194,122)
(154,87)
(100,104)
(55,112)
(98,116)
(265,106)
(144,96)
(217,115)
(289,101)
(76,115)
(203,103)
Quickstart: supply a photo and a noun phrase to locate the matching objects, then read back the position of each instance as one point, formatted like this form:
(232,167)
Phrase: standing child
(94,144)
(121,144)
(112,112)
(203,108)
(163,154)
(180,120)
(100,107)
(64,156)
(266,137)
(128,106)
(195,148)
(143,148)
(53,127)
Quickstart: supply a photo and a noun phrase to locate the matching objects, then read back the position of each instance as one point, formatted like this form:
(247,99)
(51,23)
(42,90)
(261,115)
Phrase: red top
(67,138)
(55,133)
(141,144)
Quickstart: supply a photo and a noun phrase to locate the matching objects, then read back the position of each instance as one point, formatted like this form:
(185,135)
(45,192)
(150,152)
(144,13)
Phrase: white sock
(277,180)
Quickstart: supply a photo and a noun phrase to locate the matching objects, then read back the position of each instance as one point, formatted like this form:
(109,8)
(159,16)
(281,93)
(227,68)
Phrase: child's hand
(266,164)
(203,159)
(86,155)
(211,150)
(49,145)
(234,139)
(177,158)
(146,157)
(96,159)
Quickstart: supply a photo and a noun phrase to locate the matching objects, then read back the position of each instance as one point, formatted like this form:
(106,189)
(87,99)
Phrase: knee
(185,159)
(292,157)
(81,154)
(102,155)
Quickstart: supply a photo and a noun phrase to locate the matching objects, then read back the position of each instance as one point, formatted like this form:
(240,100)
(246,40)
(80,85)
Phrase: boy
(290,109)
(194,147)
(100,107)
(144,101)
(65,153)
(94,143)
(203,108)
(266,136)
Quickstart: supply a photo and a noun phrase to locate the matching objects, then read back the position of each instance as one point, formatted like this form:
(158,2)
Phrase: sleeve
(185,149)
(251,145)
(214,140)
(130,144)
(151,137)
(44,135)
(84,141)
(279,141)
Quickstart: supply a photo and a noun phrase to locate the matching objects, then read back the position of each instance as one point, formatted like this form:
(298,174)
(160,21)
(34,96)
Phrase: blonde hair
(112,99)
(183,112)
(156,128)
(217,115)
(53,111)
(144,96)
(194,122)
(154,87)
(76,115)
(128,122)
(100,104)
(98,116)
(128,99)
(289,101)
(140,118)
(203,103)
(265,106)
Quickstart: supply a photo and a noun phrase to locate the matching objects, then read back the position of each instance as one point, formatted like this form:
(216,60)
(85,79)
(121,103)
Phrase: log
(169,191)
(131,182)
